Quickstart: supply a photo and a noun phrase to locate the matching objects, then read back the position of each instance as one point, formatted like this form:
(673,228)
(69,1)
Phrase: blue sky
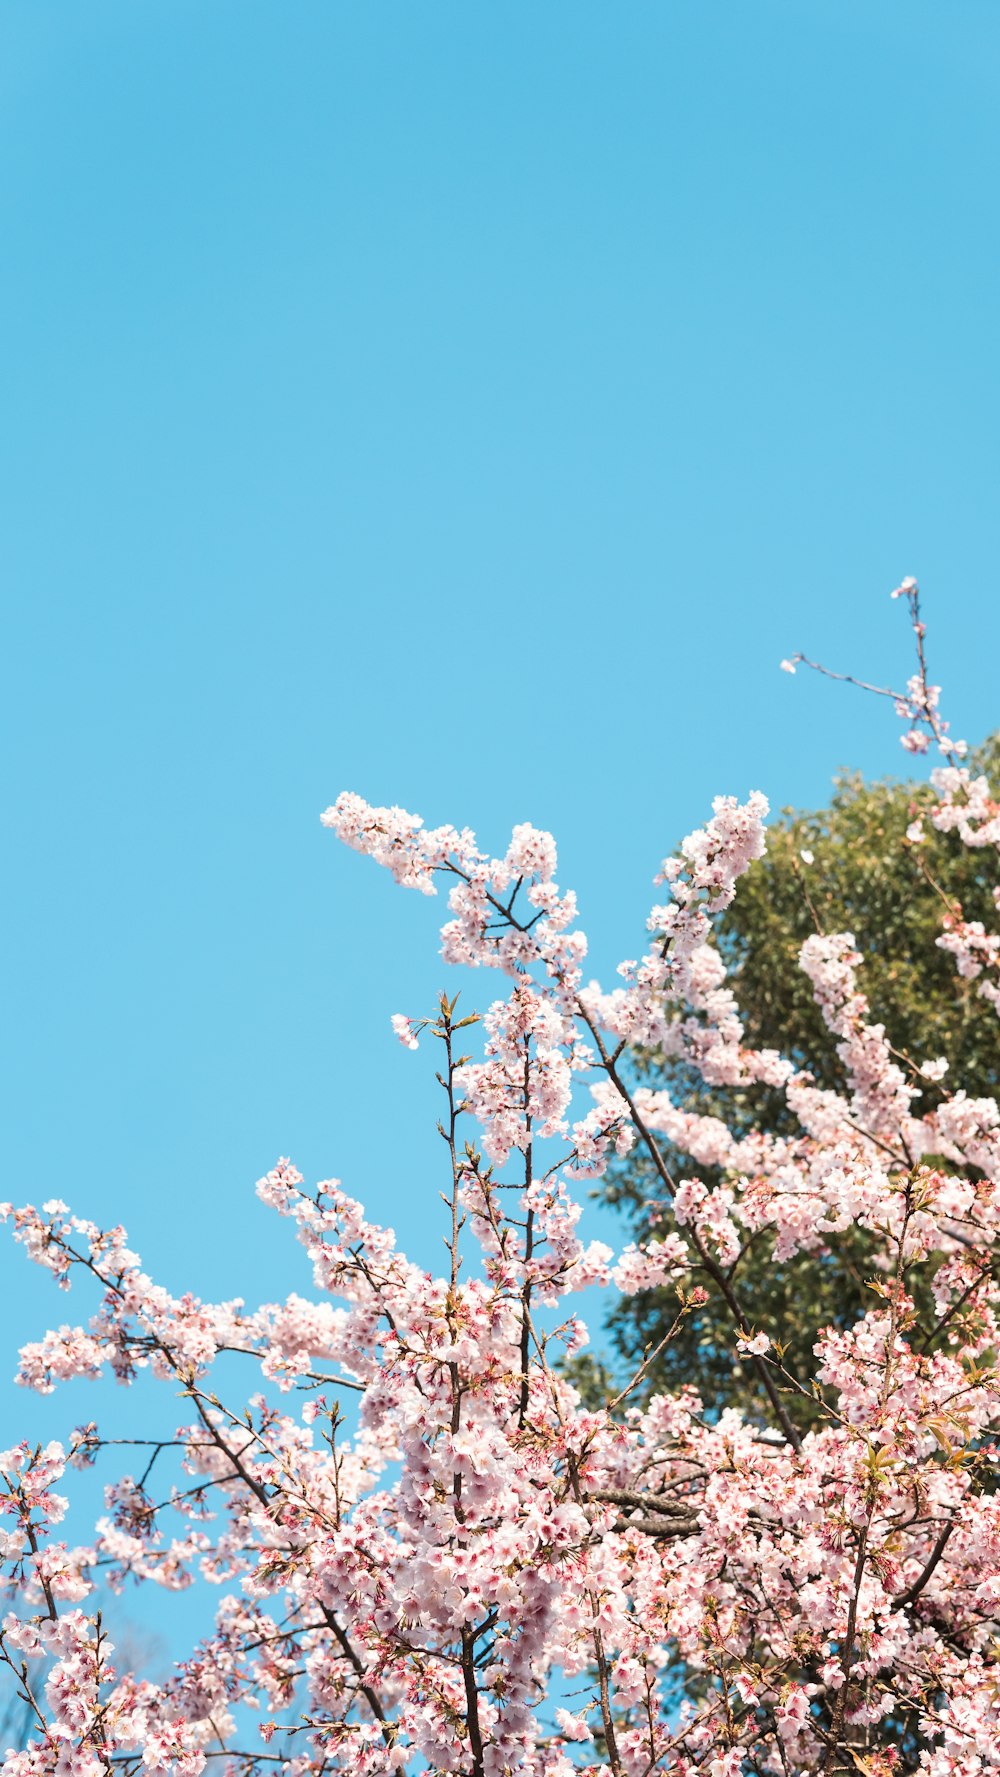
(467,405)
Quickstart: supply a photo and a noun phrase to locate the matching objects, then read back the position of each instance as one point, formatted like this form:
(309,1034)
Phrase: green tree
(866,877)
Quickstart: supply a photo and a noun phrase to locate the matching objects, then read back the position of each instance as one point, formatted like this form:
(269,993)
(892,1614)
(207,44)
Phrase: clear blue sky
(467,405)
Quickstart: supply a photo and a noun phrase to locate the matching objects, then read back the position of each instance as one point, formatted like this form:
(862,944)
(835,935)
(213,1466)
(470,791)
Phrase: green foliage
(867,878)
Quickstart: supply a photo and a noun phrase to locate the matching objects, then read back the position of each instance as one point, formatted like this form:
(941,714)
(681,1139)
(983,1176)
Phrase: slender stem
(529,1234)
(913,1592)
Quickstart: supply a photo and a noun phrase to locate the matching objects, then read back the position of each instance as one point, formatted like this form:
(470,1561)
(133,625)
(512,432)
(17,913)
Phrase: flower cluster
(429,1550)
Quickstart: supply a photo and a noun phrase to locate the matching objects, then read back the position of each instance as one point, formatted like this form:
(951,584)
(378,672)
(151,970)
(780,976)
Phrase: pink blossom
(423,1539)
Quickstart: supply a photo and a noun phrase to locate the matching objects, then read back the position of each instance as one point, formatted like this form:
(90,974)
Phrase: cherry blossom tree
(426,1551)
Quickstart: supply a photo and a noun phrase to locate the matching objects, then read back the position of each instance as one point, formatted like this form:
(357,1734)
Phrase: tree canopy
(847,867)
(420,1547)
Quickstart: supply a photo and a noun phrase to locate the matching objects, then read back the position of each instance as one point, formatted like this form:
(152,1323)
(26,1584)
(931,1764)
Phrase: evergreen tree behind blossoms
(871,864)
